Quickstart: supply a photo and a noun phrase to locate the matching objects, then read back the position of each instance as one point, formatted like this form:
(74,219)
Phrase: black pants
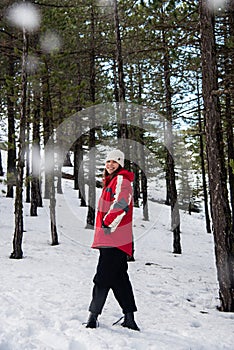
(112,274)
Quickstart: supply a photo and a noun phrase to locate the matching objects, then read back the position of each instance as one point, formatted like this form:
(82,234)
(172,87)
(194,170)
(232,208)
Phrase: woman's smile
(111,166)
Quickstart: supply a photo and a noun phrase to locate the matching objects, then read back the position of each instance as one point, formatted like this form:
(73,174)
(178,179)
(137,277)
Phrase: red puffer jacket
(115,212)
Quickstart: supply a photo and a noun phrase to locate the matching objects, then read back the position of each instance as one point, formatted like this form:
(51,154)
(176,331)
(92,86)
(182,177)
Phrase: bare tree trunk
(36,198)
(67,160)
(27,150)
(79,181)
(144,196)
(175,215)
(201,133)
(230,151)
(136,183)
(53,225)
(48,123)
(92,181)
(220,210)
(1,168)
(115,80)
(79,171)
(119,57)
(144,185)
(47,117)
(18,234)
(122,128)
(168,198)
(11,153)
(229,86)
(133,134)
(92,141)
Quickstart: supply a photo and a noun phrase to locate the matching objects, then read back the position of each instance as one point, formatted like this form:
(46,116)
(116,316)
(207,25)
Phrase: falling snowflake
(50,42)
(24,15)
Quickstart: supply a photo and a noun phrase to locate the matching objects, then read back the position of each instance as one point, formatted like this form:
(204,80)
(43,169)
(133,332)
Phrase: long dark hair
(106,178)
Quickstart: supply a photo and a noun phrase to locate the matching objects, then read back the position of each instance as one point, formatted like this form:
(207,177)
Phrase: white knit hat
(117,156)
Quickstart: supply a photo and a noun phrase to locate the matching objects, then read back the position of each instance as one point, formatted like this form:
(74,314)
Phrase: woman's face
(111,166)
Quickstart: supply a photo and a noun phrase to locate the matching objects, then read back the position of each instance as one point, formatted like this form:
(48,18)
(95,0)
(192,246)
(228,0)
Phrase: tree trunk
(119,57)
(92,142)
(201,133)
(230,151)
(144,185)
(48,123)
(36,198)
(136,185)
(53,226)
(27,150)
(47,118)
(92,181)
(115,81)
(79,180)
(220,210)
(170,164)
(168,199)
(79,172)
(11,153)
(229,86)
(52,195)
(67,160)
(1,168)
(18,234)
(122,127)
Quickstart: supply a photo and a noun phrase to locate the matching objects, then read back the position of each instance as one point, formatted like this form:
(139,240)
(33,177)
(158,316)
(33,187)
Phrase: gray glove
(106,229)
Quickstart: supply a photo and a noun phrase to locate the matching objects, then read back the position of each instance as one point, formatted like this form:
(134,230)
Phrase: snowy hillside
(45,296)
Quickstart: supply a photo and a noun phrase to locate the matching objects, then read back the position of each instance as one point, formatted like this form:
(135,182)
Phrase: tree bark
(36,198)
(18,234)
(170,164)
(92,141)
(144,182)
(144,185)
(229,99)
(79,175)
(220,210)
(119,58)
(67,160)
(53,225)
(79,183)
(48,124)
(47,119)
(11,153)
(27,150)
(1,168)
(122,127)
(204,185)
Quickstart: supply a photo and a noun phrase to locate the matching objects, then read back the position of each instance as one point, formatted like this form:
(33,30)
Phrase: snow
(45,296)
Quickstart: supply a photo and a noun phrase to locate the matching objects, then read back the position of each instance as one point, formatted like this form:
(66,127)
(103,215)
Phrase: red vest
(115,211)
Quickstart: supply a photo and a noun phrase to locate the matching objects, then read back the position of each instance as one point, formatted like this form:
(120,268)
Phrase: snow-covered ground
(44,297)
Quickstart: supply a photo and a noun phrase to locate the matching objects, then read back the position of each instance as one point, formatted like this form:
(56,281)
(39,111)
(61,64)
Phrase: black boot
(129,321)
(92,321)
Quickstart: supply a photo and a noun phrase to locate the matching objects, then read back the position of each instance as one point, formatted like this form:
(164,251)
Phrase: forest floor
(44,297)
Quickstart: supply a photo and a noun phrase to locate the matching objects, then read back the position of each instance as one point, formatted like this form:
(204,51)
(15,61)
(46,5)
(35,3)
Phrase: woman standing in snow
(113,238)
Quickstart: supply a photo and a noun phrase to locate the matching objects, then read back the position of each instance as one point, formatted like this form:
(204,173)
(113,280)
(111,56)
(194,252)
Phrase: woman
(113,238)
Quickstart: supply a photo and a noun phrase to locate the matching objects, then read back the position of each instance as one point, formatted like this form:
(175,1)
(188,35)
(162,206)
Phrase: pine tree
(220,211)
